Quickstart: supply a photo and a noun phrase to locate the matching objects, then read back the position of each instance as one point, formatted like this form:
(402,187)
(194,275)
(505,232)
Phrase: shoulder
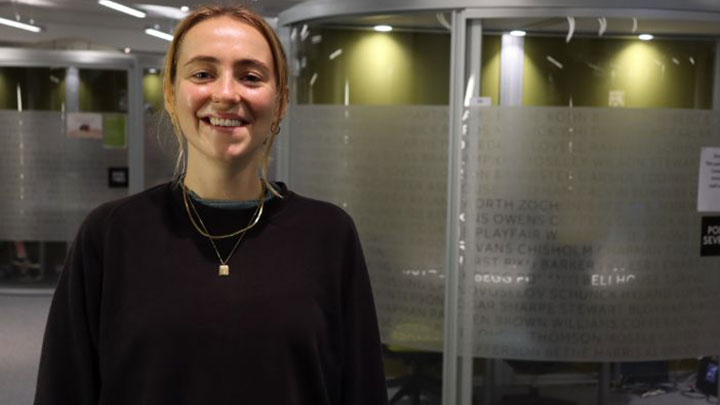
(324,208)
(121,210)
(323,213)
(315,217)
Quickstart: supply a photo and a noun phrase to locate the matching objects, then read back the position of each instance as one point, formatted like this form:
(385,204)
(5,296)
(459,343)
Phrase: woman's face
(225,90)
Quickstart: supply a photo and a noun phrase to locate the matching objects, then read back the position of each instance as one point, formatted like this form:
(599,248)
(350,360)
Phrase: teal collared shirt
(226,204)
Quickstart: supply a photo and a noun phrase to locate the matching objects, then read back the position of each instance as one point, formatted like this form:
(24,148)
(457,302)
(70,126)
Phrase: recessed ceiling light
(127,50)
(152,71)
(121,8)
(645,37)
(184,9)
(22,26)
(382,28)
(518,33)
(158,34)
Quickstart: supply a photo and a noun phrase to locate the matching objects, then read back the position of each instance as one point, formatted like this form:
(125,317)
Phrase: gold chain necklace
(253,221)
(223,268)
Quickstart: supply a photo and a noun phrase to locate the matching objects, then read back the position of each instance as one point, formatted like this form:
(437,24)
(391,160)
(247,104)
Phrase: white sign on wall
(709,180)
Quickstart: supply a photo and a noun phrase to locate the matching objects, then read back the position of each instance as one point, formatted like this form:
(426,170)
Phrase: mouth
(224,122)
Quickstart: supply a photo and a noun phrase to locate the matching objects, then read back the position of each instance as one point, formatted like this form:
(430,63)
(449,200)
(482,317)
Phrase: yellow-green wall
(5,102)
(413,68)
(37,90)
(103,90)
(490,77)
(652,74)
(152,91)
(379,68)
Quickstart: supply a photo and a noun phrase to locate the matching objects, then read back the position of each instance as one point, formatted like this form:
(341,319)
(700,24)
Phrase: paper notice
(709,181)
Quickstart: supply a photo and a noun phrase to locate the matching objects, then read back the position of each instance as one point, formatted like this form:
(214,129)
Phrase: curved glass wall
(581,209)
(369,124)
(587,194)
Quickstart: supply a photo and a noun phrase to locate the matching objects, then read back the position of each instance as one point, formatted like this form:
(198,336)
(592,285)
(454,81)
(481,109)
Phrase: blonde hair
(280,70)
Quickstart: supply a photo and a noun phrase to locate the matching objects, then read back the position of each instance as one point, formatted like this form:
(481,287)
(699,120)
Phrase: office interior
(531,182)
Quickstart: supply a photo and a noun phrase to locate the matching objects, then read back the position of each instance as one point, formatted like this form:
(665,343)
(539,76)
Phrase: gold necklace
(253,220)
(223,268)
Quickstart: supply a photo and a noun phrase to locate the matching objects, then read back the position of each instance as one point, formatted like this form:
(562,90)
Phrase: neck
(222,182)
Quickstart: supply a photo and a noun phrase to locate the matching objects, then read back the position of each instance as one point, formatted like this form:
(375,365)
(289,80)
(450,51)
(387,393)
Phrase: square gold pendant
(224,270)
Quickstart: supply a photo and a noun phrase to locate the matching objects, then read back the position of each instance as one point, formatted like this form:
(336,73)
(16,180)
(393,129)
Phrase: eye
(201,75)
(252,78)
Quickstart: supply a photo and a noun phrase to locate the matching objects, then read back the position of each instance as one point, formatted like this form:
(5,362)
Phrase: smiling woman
(217,61)
(220,286)
(224,103)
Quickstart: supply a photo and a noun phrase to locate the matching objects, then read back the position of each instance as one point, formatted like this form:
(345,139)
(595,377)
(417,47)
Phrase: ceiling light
(382,28)
(127,50)
(121,8)
(22,26)
(158,34)
(184,9)
(152,71)
(518,33)
(645,37)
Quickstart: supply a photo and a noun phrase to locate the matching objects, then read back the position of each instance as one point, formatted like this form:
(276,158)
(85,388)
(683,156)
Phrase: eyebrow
(244,62)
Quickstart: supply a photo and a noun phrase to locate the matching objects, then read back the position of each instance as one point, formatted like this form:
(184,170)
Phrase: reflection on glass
(30,263)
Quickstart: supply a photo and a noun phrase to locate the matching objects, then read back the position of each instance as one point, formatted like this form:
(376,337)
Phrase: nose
(226,91)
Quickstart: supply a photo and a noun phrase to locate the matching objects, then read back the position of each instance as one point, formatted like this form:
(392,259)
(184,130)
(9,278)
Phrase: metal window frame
(451,366)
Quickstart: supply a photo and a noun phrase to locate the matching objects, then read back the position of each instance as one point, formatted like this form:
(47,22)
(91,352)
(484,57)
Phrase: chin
(237,154)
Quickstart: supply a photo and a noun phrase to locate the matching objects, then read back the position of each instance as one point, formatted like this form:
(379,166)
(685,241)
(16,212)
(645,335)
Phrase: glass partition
(369,125)
(63,142)
(160,144)
(581,236)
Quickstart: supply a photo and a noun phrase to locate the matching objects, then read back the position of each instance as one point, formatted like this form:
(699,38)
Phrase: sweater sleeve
(68,372)
(363,380)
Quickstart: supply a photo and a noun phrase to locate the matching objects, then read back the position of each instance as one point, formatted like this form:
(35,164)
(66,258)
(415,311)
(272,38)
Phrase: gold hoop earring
(275,128)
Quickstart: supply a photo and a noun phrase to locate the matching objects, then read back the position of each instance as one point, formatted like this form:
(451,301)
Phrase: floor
(22,321)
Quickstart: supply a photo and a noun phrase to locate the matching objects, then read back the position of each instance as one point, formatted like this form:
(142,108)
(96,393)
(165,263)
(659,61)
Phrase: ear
(169,101)
(281,106)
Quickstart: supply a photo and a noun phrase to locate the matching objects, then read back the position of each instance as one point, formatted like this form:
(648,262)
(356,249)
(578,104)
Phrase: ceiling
(84,24)
(87,25)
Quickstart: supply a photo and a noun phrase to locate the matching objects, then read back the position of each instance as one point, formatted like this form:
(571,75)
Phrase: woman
(220,287)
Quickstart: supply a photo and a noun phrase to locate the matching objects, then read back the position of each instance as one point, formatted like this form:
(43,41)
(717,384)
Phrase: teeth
(225,122)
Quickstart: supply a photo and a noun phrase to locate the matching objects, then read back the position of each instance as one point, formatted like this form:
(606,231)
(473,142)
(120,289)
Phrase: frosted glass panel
(160,149)
(50,182)
(583,235)
(386,166)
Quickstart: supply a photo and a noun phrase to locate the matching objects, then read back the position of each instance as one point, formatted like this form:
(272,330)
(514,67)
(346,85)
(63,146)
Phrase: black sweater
(140,315)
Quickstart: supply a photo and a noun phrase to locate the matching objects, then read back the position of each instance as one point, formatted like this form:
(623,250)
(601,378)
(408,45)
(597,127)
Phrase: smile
(224,122)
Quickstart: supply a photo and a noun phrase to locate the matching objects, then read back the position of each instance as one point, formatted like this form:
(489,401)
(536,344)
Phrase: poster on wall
(709,181)
(84,125)
(114,133)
